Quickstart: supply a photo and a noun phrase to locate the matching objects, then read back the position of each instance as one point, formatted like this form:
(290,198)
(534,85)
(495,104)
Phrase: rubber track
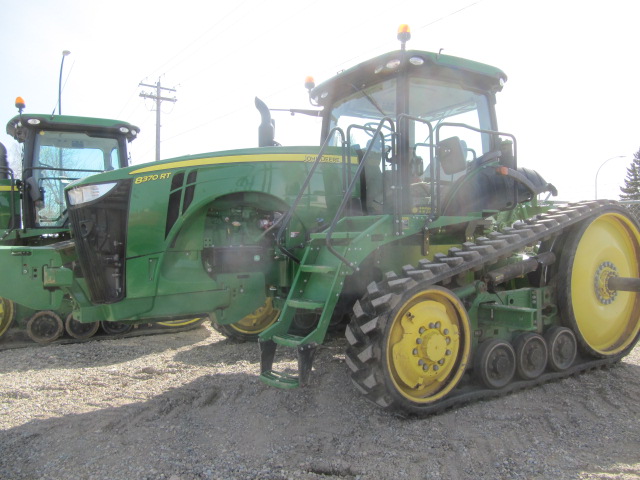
(16,338)
(442,270)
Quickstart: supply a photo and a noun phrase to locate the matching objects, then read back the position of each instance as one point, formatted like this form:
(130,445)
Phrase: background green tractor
(408,224)
(56,151)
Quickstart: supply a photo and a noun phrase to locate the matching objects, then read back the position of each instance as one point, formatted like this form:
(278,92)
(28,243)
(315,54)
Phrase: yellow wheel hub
(605,272)
(428,345)
(607,320)
(259,320)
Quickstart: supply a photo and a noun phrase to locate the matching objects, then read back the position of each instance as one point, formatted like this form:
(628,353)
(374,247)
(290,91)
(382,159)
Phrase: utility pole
(158,98)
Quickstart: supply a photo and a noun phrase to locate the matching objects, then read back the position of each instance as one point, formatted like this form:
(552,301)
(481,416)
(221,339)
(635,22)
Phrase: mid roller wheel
(495,363)
(45,327)
(606,321)
(409,349)
(80,330)
(531,355)
(115,328)
(562,346)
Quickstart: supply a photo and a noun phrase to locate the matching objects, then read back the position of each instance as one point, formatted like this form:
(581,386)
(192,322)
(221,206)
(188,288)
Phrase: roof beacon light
(404,35)
(20,104)
(309,83)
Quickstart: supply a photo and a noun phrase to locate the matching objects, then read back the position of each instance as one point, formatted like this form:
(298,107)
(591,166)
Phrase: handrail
(434,163)
(347,195)
(305,185)
(479,130)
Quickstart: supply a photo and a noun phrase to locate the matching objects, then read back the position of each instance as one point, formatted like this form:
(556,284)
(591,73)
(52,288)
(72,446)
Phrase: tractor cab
(56,150)
(425,125)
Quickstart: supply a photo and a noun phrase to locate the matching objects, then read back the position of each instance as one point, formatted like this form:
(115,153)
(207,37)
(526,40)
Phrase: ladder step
(317,268)
(305,304)
(288,340)
(279,380)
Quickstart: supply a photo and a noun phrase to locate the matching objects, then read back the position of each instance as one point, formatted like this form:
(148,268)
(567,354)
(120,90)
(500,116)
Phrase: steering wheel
(387,132)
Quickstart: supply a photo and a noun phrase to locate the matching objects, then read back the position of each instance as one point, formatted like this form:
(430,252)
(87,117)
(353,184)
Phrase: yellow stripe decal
(201,162)
(8,188)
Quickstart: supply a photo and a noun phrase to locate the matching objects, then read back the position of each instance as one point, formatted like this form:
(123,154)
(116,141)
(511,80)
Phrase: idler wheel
(45,327)
(597,282)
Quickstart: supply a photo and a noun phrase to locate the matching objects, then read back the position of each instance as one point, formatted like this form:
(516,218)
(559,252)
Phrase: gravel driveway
(189,405)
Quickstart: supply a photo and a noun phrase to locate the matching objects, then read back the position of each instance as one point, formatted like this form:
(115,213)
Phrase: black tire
(45,327)
(495,363)
(409,344)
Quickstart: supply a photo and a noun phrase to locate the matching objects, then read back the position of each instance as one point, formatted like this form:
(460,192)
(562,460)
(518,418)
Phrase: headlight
(88,193)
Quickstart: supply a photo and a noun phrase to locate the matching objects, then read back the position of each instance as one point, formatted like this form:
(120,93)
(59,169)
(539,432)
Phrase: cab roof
(447,68)
(16,125)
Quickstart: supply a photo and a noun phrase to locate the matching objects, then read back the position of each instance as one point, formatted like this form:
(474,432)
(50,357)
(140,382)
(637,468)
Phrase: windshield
(59,159)
(433,102)
(365,108)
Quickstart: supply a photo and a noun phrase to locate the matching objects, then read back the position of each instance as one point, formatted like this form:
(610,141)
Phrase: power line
(193,42)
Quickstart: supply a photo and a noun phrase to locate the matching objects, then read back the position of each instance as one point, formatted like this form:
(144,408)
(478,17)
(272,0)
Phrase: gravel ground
(189,405)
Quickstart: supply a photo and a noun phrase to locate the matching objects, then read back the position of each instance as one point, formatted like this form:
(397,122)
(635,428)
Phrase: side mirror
(451,155)
(507,158)
(35,192)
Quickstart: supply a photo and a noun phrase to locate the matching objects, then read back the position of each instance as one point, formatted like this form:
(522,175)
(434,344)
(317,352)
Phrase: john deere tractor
(56,151)
(410,227)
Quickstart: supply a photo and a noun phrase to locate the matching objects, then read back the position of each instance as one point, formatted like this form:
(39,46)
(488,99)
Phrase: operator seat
(482,189)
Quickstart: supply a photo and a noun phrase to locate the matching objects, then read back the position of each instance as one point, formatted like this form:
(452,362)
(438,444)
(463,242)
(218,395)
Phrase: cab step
(306,352)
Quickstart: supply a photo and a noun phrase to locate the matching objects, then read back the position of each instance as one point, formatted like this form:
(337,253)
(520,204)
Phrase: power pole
(158,98)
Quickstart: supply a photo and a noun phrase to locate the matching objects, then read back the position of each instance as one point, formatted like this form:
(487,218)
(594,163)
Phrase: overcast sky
(572,97)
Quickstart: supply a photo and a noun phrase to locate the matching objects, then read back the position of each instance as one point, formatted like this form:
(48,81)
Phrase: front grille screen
(100,229)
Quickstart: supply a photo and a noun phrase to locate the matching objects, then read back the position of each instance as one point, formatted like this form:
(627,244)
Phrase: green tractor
(411,228)
(56,151)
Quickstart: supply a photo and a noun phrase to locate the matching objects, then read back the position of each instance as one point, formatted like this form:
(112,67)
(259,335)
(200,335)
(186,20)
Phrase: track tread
(366,328)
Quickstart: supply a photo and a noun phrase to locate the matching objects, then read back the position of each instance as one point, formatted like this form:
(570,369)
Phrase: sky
(572,98)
